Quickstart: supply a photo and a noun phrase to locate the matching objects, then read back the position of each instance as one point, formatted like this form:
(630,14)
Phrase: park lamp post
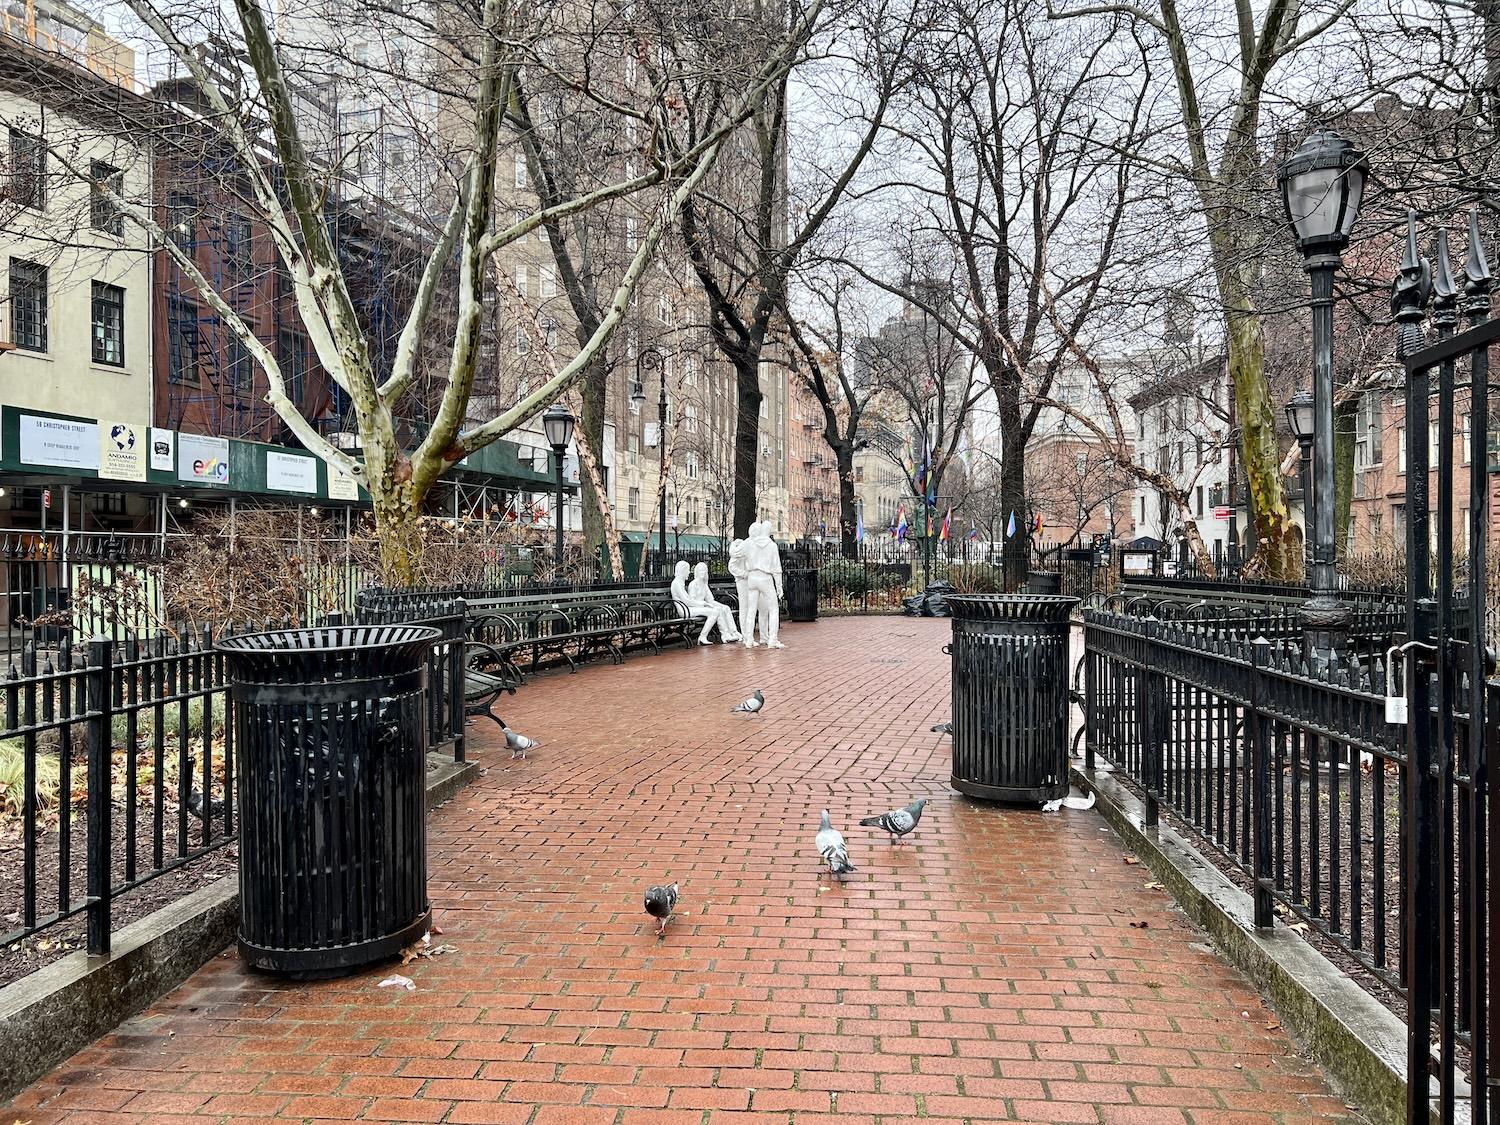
(1322,184)
(647,359)
(558,425)
(1299,419)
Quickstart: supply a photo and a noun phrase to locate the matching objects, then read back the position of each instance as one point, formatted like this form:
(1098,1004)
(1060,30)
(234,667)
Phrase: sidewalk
(1009,966)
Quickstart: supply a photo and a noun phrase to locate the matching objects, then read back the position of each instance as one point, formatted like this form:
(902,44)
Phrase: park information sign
(341,486)
(202,460)
(287,472)
(122,451)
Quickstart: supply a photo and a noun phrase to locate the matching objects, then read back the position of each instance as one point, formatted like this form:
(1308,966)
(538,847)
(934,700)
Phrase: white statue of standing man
(762,563)
(739,567)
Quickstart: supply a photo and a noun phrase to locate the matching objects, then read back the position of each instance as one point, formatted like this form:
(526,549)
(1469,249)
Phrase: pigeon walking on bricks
(831,846)
(751,705)
(519,743)
(660,902)
(943,728)
(898,822)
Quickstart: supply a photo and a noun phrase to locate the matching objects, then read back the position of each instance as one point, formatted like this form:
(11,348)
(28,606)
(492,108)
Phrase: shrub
(13,778)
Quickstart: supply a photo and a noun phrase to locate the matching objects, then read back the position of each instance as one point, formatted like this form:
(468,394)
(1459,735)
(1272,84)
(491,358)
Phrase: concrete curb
(53,1013)
(1355,1038)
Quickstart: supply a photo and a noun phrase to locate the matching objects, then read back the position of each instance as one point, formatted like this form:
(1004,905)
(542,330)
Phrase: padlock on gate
(1395,705)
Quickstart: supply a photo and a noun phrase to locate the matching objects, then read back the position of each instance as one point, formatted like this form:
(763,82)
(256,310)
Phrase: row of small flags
(900,528)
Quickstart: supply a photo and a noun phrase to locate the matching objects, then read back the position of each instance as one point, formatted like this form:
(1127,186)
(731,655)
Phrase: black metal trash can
(331,735)
(1010,695)
(802,594)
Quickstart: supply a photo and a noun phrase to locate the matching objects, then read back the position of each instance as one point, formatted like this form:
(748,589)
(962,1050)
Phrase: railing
(118,766)
(1290,772)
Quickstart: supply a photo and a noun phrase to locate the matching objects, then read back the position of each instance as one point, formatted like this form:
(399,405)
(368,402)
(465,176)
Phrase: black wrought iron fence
(1289,770)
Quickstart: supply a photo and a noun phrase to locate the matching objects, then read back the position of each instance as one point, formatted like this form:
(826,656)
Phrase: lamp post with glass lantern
(558,425)
(1322,184)
(1299,419)
(647,359)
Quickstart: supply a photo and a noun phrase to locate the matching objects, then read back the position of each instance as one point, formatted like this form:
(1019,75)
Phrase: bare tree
(744,239)
(1012,129)
(289,161)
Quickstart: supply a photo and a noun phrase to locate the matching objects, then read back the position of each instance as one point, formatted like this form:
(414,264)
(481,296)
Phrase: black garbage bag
(931,602)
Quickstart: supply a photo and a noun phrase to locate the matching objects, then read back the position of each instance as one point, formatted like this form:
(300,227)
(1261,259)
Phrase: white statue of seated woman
(685,604)
(701,596)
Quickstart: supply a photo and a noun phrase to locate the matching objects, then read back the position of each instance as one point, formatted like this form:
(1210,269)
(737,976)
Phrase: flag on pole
(947,525)
(929,522)
(1036,528)
(1010,528)
(859,526)
(901,526)
(973,531)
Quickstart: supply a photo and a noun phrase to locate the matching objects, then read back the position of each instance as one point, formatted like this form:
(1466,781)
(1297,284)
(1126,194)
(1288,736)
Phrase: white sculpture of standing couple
(756,565)
(697,600)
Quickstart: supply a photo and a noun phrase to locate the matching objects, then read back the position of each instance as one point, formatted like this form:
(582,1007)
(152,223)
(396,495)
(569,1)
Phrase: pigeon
(898,822)
(831,846)
(519,743)
(660,902)
(1069,802)
(215,809)
(751,705)
(943,728)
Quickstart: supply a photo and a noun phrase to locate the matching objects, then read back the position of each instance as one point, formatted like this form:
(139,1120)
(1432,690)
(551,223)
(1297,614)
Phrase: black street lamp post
(1321,185)
(557,423)
(647,359)
(1299,417)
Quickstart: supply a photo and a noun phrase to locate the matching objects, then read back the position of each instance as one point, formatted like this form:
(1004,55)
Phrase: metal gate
(1451,848)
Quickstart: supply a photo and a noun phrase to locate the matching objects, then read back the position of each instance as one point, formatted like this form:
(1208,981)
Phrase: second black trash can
(1010,695)
(802,594)
(330,737)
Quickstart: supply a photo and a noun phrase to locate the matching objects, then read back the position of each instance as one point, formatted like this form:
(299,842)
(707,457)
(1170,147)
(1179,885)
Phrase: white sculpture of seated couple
(697,600)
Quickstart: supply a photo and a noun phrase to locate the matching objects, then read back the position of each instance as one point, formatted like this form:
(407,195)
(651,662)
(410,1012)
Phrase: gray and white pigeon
(898,822)
(831,846)
(195,802)
(519,743)
(660,902)
(751,705)
(943,728)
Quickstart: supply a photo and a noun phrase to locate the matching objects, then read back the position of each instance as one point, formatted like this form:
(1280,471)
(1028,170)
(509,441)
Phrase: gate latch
(1396,712)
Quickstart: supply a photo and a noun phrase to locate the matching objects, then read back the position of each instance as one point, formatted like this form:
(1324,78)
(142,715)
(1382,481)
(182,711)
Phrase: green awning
(676,542)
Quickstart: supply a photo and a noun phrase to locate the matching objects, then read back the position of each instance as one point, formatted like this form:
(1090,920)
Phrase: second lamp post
(558,425)
(647,359)
(1322,184)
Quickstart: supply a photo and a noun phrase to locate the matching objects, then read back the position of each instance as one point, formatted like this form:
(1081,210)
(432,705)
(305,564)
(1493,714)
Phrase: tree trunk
(591,424)
(848,516)
(1260,451)
(1014,551)
(746,443)
(397,528)
(591,472)
(1343,469)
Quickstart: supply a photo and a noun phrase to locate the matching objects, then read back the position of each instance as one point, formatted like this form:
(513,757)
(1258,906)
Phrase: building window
(1466,439)
(632,449)
(692,466)
(107,185)
(239,246)
(1401,449)
(1199,504)
(520,170)
(182,212)
(632,238)
(293,360)
(690,418)
(182,342)
(523,341)
(549,334)
(1376,527)
(28,305)
(1432,445)
(28,170)
(238,367)
(663,308)
(630,66)
(108,307)
(633,505)
(523,388)
(549,282)
(522,280)
(1398,520)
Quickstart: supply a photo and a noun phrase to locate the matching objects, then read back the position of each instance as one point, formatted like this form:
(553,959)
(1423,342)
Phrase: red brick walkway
(1010,966)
